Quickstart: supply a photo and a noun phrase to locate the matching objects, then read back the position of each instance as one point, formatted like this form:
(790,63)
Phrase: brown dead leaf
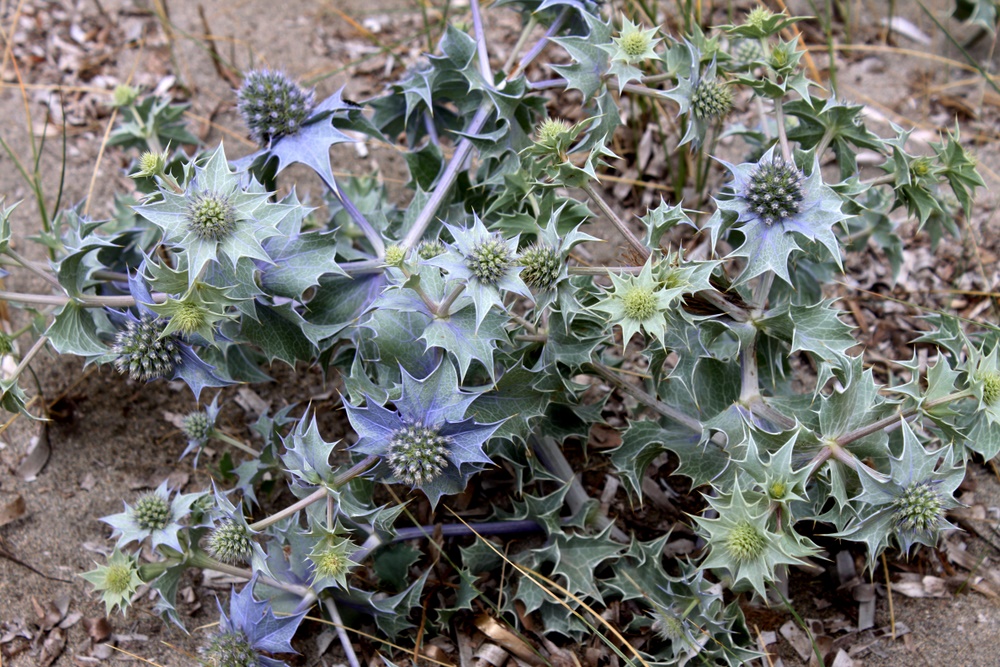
(52,648)
(13,510)
(98,628)
(492,628)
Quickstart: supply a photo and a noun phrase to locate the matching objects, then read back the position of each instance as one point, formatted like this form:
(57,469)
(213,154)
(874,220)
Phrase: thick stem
(636,244)
(85,301)
(444,308)
(749,380)
(318,494)
(761,290)
(779,117)
(378,245)
(483,53)
(34,268)
(649,400)
(537,48)
(28,356)
(198,558)
(895,420)
(338,622)
(448,178)
(548,452)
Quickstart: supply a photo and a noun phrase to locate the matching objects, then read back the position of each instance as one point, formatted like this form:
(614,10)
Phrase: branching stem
(645,398)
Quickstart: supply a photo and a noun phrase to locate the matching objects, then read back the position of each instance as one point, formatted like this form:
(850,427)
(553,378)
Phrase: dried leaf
(13,511)
(36,457)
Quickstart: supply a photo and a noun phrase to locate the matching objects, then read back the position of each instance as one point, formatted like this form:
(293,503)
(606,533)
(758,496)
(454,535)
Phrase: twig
(636,244)
(650,401)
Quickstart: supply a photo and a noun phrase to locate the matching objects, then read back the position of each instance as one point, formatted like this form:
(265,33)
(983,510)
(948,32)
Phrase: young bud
(197,426)
(745,542)
(542,266)
(394,255)
(152,512)
(639,303)
(151,164)
(124,95)
(711,99)
(430,249)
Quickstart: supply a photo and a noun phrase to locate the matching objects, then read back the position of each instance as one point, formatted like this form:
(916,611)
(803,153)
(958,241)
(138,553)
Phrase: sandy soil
(109,438)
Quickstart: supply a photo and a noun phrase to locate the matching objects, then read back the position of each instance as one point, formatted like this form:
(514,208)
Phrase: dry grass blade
(135,657)
(384,642)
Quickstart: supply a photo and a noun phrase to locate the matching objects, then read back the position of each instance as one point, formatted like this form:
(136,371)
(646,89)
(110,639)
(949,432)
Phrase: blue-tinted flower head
(425,442)
(154,515)
(775,203)
(142,349)
(273,105)
(909,505)
(250,631)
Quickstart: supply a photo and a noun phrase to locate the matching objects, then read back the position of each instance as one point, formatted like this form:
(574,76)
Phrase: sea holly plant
(479,336)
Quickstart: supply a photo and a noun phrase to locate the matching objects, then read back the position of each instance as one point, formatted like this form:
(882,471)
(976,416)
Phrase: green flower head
(639,302)
(331,559)
(216,218)
(154,515)
(907,506)
(634,44)
(742,541)
(984,381)
(116,581)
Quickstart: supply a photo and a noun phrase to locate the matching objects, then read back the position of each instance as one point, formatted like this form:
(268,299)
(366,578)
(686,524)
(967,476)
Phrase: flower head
(394,255)
(220,216)
(431,249)
(774,204)
(634,44)
(141,352)
(984,380)
(199,428)
(231,542)
(425,442)
(485,262)
(639,301)
(146,350)
(273,105)
(250,634)
(116,581)
(907,506)
(151,164)
(154,515)
(542,266)
(702,95)
(331,559)
(742,541)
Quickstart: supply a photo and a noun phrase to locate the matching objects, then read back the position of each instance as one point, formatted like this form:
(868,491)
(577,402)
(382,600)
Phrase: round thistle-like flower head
(430,249)
(116,581)
(550,130)
(394,255)
(777,490)
(668,626)
(273,105)
(229,649)
(759,17)
(542,265)
(142,353)
(417,454)
(152,512)
(919,508)
(745,542)
(189,317)
(634,44)
(231,543)
(211,216)
(331,559)
(748,51)
(711,99)
(639,303)
(151,164)
(197,426)
(774,191)
(489,260)
(991,387)
(124,95)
